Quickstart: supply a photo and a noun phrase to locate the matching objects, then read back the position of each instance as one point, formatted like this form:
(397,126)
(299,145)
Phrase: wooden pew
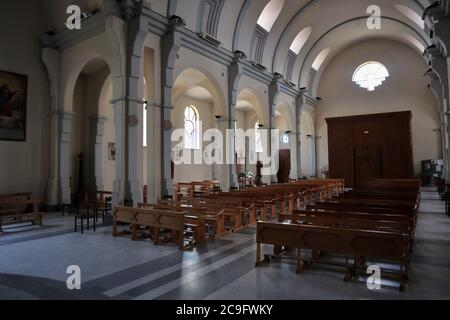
(213,214)
(236,212)
(183,190)
(214,218)
(193,220)
(13,211)
(339,207)
(400,205)
(378,245)
(156,220)
(17,196)
(364,221)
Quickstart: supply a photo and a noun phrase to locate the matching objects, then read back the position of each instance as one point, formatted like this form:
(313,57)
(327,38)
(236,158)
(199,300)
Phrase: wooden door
(368,164)
(285,166)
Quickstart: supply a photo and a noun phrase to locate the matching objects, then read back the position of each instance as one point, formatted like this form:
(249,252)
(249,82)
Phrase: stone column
(65,130)
(96,163)
(235,72)
(137,25)
(171,44)
(222,171)
(52,60)
(274,91)
(118,105)
(298,142)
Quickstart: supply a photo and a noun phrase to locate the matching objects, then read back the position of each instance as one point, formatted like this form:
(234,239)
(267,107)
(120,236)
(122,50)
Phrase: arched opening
(286,157)
(92,148)
(411,14)
(300,40)
(250,119)
(270,14)
(370,75)
(320,59)
(196,106)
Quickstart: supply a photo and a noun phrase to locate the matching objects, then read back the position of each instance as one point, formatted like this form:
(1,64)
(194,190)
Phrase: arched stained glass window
(191,128)
(370,75)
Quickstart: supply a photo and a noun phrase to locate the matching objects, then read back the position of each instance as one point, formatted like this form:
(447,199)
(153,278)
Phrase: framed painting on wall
(111,151)
(13,106)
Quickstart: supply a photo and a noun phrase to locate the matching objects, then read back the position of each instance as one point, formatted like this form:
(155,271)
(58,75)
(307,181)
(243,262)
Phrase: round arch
(253,97)
(343,28)
(288,115)
(74,74)
(209,83)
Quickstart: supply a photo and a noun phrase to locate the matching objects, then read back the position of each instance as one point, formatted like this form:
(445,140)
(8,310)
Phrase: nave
(34,262)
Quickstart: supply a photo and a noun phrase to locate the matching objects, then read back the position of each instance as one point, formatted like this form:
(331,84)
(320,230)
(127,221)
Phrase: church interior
(224,150)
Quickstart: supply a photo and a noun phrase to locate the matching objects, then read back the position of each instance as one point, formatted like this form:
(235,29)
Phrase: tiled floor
(33,265)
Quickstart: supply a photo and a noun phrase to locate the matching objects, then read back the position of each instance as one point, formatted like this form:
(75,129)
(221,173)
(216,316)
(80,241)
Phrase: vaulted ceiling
(286,36)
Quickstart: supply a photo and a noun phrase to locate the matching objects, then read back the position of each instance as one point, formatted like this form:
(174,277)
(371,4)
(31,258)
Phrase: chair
(85,210)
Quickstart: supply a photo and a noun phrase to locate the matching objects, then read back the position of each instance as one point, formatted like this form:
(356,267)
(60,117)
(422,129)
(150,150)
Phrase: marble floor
(34,260)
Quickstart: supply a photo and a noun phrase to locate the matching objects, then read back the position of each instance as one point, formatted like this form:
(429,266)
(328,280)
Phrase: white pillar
(171,44)
(119,129)
(97,127)
(52,60)
(65,129)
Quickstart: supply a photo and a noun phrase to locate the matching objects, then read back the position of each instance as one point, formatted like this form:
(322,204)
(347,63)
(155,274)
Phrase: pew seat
(352,243)
(15,211)
(175,223)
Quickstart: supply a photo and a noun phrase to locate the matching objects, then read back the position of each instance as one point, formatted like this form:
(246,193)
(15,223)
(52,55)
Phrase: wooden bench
(237,213)
(156,220)
(14,211)
(378,245)
(16,196)
(364,221)
(214,215)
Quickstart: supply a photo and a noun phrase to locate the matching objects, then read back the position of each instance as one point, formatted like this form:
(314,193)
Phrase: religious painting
(111,151)
(13,106)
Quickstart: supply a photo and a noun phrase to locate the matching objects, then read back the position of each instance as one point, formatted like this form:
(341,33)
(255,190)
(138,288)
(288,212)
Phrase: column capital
(65,115)
(98,118)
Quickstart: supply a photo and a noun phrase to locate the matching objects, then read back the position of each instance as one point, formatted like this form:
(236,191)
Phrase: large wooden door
(285,166)
(368,164)
(390,132)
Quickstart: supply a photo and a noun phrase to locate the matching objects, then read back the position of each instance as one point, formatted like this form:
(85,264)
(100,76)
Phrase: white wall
(405,89)
(108,136)
(25,165)
(200,172)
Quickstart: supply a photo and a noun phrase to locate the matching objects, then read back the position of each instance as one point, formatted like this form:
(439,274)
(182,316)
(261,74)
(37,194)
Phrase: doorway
(284,168)
(368,164)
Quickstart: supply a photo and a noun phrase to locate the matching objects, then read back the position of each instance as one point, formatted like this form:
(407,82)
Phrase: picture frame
(13,106)
(111,151)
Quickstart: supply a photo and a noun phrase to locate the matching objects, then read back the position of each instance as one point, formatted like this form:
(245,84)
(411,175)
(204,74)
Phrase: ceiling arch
(348,33)
(296,15)
(323,15)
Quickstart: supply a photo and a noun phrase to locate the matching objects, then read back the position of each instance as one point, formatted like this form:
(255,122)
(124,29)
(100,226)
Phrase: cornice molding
(154,23)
